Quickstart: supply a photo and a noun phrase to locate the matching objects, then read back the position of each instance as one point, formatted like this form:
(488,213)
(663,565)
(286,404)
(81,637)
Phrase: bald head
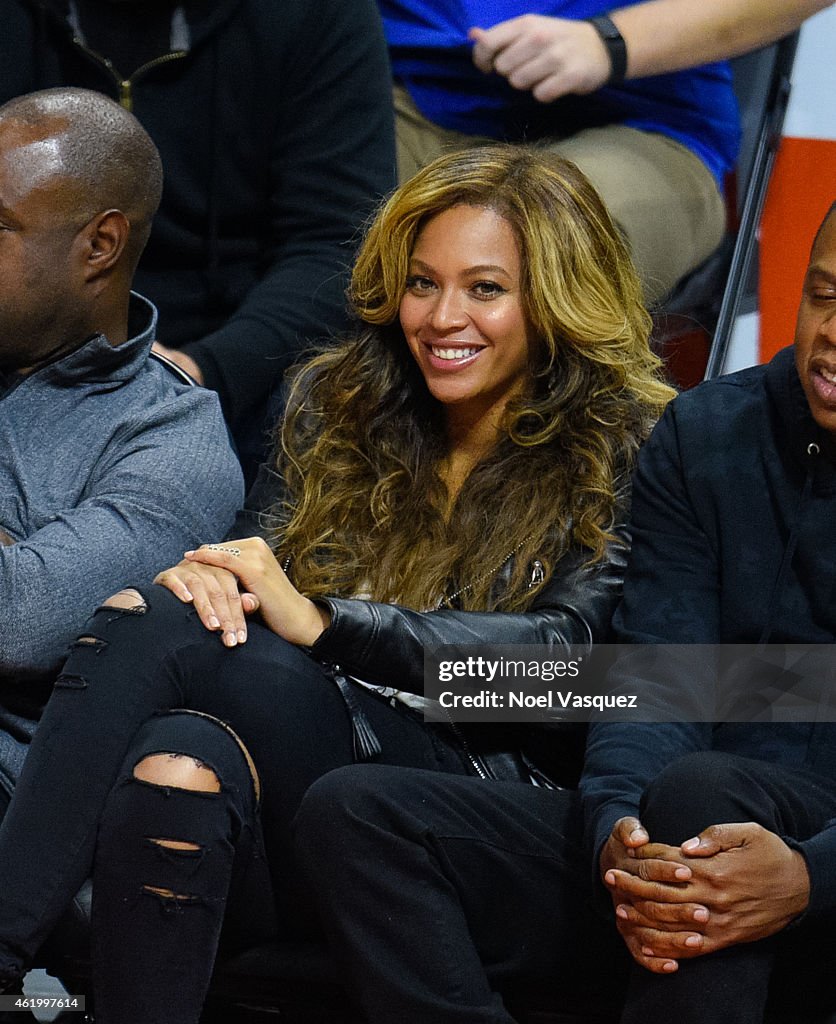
(104,156)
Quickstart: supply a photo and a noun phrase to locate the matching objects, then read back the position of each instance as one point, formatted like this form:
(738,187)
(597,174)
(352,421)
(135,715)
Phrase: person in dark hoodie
(717,843)
(274,124)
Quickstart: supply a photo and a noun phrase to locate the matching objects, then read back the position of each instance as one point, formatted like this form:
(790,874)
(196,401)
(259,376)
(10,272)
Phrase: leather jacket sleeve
(384,644)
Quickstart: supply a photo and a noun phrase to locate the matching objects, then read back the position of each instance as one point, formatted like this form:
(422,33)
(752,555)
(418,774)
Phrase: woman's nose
(448,312)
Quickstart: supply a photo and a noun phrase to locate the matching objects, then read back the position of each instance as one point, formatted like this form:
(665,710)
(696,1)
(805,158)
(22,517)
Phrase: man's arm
(164,485)
(555,56)
(333,158)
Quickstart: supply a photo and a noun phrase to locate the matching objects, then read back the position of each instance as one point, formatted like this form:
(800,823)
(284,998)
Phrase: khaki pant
(662,195)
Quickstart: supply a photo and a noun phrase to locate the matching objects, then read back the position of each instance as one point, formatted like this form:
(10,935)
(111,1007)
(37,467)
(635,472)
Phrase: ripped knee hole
(177,771)
(129,598)
(168,894)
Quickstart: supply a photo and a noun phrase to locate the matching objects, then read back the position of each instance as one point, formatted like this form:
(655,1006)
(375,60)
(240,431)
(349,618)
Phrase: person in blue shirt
(638,97)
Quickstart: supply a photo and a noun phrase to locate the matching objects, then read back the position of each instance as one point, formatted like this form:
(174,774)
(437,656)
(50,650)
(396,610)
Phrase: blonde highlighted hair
(363,439)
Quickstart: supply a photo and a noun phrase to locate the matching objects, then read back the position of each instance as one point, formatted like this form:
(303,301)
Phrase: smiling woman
(463,319)
(455,473)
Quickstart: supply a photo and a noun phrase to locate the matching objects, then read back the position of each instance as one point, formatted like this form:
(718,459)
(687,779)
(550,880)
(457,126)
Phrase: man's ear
(103,239)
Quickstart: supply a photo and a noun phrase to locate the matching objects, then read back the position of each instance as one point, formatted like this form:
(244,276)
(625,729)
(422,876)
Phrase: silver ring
(227,551)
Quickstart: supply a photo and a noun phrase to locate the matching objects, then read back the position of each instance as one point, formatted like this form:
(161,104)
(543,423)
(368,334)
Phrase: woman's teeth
(453,353)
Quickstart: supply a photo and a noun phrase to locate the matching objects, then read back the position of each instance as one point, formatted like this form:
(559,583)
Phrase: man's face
(815,329)
(39,290)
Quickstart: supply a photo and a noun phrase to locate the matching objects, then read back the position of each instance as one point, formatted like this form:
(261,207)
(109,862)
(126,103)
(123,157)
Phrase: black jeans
(142,662)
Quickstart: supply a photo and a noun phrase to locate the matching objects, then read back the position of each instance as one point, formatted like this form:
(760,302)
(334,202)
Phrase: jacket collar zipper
(125,85)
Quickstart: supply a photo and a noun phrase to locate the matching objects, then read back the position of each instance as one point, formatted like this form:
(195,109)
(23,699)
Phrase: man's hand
(5,540)
(647,881)
(548,56)
(748,881)
(183,361)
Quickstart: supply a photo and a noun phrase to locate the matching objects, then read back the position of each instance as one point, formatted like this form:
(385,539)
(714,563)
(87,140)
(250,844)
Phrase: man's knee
(348,802)
(691,793)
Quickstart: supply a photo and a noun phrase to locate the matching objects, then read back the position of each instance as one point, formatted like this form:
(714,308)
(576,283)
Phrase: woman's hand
(228,581)
(214,592)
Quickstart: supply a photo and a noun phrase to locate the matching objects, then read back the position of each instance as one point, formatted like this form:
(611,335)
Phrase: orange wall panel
(802,187)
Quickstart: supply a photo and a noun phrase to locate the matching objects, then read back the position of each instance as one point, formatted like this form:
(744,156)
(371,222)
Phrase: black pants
(436,890)
(437,876)
(79,773)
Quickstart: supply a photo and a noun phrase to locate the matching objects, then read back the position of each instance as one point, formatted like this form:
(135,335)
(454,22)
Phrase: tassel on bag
(365,741)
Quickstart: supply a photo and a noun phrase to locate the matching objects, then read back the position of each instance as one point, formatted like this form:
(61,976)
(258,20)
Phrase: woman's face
(462,312)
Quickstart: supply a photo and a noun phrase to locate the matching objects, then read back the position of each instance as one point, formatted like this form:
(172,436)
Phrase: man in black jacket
(274,125)
(714,839)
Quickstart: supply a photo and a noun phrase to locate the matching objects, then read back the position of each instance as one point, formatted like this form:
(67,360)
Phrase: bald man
(110,467)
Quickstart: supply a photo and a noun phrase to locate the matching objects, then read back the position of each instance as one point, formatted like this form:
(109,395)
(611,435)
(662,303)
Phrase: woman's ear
(104,239)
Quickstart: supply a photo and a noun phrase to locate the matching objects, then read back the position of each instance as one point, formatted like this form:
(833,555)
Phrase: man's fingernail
(693,941)
(647,951)
(669,966)
(701,915)
(682,874)
(691,844)
(609,878)
(621,911)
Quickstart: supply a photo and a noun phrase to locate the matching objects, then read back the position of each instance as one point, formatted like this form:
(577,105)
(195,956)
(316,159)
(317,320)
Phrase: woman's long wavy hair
(367,511)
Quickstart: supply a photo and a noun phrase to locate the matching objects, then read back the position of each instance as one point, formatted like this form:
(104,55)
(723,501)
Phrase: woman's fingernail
(231,639)
(214,623)
(188,554)
(242,636)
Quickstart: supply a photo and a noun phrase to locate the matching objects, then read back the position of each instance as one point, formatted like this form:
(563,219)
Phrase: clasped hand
(225,587)
(548,56)
(734,882)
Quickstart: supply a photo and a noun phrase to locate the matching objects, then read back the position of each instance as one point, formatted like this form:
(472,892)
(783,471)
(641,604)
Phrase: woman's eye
(487,289)
(416,283)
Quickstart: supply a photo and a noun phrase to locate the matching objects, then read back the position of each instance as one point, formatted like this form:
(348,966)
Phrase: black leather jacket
(383,644)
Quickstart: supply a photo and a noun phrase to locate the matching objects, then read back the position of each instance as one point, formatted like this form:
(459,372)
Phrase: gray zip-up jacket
(109,469)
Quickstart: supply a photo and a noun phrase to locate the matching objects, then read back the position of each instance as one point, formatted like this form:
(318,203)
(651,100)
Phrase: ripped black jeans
(79,775)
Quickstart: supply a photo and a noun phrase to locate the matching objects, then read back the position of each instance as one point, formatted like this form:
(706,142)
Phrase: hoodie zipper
(125,85)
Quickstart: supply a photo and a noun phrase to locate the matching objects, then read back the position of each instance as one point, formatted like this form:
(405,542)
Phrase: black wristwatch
(616,47)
